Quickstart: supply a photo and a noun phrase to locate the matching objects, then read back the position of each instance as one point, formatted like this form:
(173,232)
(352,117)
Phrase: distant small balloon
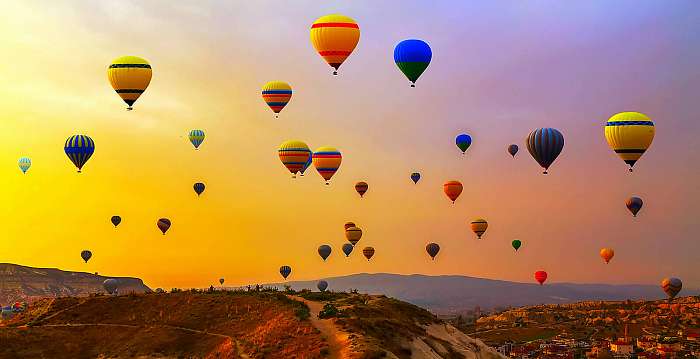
(221,281)
(79,149)
(368,252)
(110,285)
(347,249)
(479,226)
(415,177)
(634,205)
(513,149)
(86,255)
(361,188)
(516,244)
(198,188)
(353,235)
(671,286)
(285,271)
(196,138)
(24,163)
(432,249)
(463,142)
(452,189)
(324,251)
(163,225)
(540,276)
(607,254)
(322,285)
(116,220)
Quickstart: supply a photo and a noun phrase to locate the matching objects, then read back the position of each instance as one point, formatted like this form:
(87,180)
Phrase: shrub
(329,311)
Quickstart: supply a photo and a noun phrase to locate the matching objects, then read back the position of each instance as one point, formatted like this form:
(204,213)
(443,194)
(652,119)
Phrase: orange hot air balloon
(452,189)
(540,276)
(607,254)
(335,37)
(478,226)
(327,161)
(361,188)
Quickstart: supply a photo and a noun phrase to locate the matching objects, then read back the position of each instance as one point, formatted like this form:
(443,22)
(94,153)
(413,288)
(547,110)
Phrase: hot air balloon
(540,276)
(671,287)
(86,255)
(79,149)
(516,244)
(111,285)
(327,161)
(361,188)
(285,271)
(24,163)
(196,138)
(307,164)
(334,37)
(294,155)
(415,177)
(513,149)
(221,281)
(368,252)
(129,76)
(463,142)
(347,249)
(634,204)
(545,144)
(276,94)
(163,225)
(607,254)
(432,249)
(116,220)
(478,226)
(452,189)
(199,188)
(412,57)
(629,134)
(353,235)
(324,251)
(322,285)
(348,225)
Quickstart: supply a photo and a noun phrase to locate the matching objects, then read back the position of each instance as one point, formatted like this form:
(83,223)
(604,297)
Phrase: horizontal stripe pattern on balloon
(629,134)
(276,95)
(327,161)
(129,77)
(294,155)
(334,37)
(79,149)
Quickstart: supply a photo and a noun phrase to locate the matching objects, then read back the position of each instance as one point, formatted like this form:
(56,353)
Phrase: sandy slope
(338,341)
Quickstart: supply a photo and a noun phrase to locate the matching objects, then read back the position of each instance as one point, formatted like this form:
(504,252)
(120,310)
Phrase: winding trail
(338,341)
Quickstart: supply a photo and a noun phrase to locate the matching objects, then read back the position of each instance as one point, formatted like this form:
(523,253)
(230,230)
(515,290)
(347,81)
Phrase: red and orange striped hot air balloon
(335,37)
(327,161)
(276,94)
(452,189)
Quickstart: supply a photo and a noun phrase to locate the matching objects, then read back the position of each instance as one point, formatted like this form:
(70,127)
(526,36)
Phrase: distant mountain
(20,283)
(453,293)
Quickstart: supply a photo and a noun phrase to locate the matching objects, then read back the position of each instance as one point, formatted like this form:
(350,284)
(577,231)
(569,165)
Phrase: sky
(499,70)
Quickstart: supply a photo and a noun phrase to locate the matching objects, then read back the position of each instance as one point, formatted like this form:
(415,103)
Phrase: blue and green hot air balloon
(79,149)
(463,141)
(412,57)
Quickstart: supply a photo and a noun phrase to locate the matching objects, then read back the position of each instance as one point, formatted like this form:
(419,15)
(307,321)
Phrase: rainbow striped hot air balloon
(196,138)
(327,161)
(24,163)
(129,77)
(629,134)
(335,37)
(79,149)
(276,95)
(294,155)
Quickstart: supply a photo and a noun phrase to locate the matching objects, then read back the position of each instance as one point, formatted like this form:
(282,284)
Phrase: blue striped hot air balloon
(276,94)
(79,149)
(412,57)
(196,138)
(24,164)
(545,144)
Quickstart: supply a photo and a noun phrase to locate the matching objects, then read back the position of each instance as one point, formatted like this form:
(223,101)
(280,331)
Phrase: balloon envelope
(79,149)
(607,254)
(327,161)
(545,145)
(129,77)
(361,188)
(198,188)
(513,149)
(671,286)
(368,252)
(463,142)
(479,226)
(540,276)
(353,235)
(334,37)
(432,249)
(196,138)
(347,249)
(163,225)
(452,189)
(110,285)
(221,281)
(629,134)
(348,225)
(412,56)
(276,95)
(294,155)
(24,163)
(86,255)
(324,251)
(285,271)
(516,243)
(322,285)
(634,204)
(116,220)
(415,177)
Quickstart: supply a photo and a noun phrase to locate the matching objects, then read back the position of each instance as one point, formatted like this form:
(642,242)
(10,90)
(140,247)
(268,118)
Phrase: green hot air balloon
(516,244)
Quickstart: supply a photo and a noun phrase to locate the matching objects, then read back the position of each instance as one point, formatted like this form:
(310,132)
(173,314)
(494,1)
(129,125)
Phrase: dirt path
(338,341)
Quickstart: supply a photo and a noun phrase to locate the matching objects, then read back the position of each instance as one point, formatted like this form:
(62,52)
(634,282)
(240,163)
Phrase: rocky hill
(20,283)
(233,324)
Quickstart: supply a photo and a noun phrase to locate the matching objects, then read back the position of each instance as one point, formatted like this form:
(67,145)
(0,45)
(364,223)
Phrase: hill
(447,294)
(233,324)
(20,283)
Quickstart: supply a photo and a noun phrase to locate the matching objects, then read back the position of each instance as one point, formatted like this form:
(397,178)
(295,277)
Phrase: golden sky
(498,72)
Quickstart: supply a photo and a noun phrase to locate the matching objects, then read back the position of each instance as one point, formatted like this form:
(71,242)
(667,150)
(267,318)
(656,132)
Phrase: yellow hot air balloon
(629,134)
(294,155)
(276,94)
(327,161)
(335,37)
(478,226)
(129,76)
(607,254)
